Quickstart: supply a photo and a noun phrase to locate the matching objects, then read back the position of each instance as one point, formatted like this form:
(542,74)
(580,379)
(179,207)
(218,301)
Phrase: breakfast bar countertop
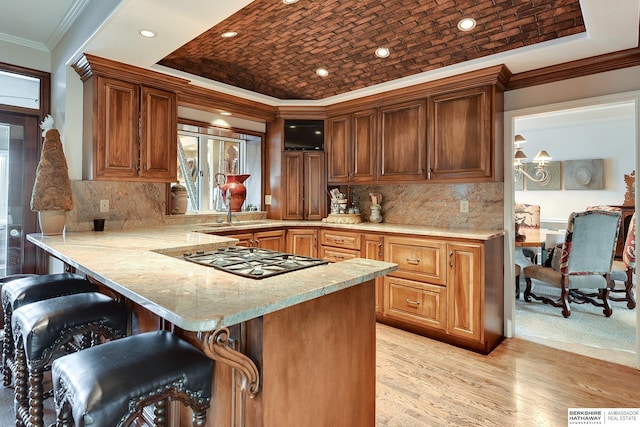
(145,265)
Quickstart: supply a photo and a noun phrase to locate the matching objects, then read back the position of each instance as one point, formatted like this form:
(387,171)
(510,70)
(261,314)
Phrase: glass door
(19,136)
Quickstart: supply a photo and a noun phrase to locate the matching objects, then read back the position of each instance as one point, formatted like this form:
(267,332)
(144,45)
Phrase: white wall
(606,133)
(37,59)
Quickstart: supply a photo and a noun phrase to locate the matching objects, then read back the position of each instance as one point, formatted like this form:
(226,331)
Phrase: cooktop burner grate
(255,263)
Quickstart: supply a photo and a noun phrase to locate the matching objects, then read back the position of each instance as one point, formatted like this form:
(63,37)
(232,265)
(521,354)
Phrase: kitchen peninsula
(292,349)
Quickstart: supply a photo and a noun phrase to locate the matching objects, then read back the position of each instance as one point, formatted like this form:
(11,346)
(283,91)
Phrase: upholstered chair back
(629,253)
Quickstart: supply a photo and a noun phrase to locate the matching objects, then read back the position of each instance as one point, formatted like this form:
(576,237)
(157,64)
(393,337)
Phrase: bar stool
(20,290)
(110,384)
(44,330)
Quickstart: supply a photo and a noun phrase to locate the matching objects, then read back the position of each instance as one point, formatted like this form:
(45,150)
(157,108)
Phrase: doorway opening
(601,132)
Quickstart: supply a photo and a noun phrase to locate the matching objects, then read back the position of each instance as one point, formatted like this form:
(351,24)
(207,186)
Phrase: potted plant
(51,195)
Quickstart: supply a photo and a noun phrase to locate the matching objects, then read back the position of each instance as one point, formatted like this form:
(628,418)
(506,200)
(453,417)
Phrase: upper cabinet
(304,185)
(351,144)
(402,154)
(461,135)
(130,122)
(443,131)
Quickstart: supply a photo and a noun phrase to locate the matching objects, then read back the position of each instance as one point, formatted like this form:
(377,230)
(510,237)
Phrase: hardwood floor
(421,382)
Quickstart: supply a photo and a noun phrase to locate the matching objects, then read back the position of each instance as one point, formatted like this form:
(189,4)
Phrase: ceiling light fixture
(229,34)
(382,52)
(322,72)
(542,158)
(147,33)
(466,24)
(289,1)
(225,113)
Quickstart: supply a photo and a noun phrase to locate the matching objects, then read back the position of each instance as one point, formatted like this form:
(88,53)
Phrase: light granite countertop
(136,263)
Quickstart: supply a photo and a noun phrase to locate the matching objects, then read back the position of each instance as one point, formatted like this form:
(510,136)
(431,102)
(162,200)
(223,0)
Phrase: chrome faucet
(227,199)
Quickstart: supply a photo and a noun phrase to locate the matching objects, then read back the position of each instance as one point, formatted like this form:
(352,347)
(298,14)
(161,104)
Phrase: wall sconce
(542,158)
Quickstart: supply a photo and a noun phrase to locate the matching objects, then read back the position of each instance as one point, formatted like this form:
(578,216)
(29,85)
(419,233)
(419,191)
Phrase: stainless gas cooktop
(255,263)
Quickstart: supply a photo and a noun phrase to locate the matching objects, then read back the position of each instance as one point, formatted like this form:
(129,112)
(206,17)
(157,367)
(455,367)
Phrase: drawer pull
(413,261)
(412,302)
(337,240)
(451,259)
(339,256)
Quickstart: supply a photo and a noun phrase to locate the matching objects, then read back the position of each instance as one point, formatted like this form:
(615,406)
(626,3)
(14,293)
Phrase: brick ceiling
(279,46)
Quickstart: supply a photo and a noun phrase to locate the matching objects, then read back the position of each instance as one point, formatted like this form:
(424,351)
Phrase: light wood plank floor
(421,382)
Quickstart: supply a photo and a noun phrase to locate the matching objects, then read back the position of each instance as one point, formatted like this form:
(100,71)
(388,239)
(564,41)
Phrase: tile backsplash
(436,205)
(133,204)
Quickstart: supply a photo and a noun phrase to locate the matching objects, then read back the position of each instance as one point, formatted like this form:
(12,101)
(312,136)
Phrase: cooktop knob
(187,254)
(200,252)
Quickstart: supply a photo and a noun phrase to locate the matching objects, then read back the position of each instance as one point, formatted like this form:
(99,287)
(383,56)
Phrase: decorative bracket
(216,346)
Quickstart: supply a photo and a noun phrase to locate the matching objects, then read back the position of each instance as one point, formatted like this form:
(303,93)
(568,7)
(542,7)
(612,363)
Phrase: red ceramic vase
(237,191)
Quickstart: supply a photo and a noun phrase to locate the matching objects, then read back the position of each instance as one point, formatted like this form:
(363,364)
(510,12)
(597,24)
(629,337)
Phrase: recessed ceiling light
(229,34)
(466,24)
(147,33)
(382,52)
(322,72)
(289,1)
(225,113)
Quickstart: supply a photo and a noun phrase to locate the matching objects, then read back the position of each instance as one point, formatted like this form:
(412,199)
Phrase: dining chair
(622,271)
(584,271)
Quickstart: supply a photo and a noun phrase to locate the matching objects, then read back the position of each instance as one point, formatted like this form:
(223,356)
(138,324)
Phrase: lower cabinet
(339,245)
(302,241)
(270,239)
(448,290)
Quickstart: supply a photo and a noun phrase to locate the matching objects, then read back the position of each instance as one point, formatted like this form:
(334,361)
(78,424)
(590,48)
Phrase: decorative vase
(178,199)
(375,214)
(235,190)
(52,222)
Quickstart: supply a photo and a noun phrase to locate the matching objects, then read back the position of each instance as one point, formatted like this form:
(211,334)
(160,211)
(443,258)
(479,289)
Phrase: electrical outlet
(104,205)
(267,199)
(464,206)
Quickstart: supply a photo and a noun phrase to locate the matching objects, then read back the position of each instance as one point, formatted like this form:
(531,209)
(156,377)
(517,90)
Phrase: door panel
(19,158)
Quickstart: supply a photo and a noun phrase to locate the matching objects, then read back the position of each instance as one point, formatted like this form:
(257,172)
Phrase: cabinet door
(273,239)
(461,139)
(332,254)
(464,290)
(115,129)
(364,146)
(402,153)
(373,247)
(244,239)
(314,191)
(292,176)
(302,241)
(339,149)
(158,135)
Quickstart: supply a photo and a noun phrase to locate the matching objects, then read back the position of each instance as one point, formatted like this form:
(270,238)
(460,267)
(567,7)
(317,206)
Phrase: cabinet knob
(451,259)
(380,250)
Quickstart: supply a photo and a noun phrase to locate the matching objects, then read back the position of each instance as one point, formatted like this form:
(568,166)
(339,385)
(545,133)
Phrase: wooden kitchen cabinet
(304,185)
(302,241)
(461,136)
(351,147)
(339,245)
(450,290)
(402,145)
(373,248)
(268,239)
(130,123)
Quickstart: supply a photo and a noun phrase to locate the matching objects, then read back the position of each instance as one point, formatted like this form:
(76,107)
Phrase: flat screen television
(304,134)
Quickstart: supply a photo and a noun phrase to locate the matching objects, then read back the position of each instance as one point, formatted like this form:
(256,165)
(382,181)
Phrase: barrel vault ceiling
(279,47)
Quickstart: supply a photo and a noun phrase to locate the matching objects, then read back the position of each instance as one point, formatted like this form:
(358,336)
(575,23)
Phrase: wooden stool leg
(36,406)
(21,401)
(7,348)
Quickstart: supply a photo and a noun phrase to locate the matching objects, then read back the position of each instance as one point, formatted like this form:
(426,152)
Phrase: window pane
(19,91)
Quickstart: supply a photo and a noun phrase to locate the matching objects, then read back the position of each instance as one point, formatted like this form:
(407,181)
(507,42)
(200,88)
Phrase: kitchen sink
(234,223)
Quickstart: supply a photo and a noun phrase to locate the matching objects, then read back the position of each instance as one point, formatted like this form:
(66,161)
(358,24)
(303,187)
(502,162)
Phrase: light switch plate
(104,205)
(267,199)
(464,206)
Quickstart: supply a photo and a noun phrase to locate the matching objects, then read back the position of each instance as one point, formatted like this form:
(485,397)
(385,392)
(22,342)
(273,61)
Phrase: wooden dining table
(535,237)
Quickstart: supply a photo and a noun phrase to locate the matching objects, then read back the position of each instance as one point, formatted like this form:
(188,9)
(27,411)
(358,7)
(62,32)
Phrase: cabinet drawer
(420,303)
(417,259)
(340,239)
(337,254)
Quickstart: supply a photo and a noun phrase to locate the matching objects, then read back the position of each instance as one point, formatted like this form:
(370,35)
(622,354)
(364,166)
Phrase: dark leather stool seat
(44,329)
(19,290)
(110,384)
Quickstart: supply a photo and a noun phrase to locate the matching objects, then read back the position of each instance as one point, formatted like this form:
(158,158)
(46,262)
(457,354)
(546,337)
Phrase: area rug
(586,331)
